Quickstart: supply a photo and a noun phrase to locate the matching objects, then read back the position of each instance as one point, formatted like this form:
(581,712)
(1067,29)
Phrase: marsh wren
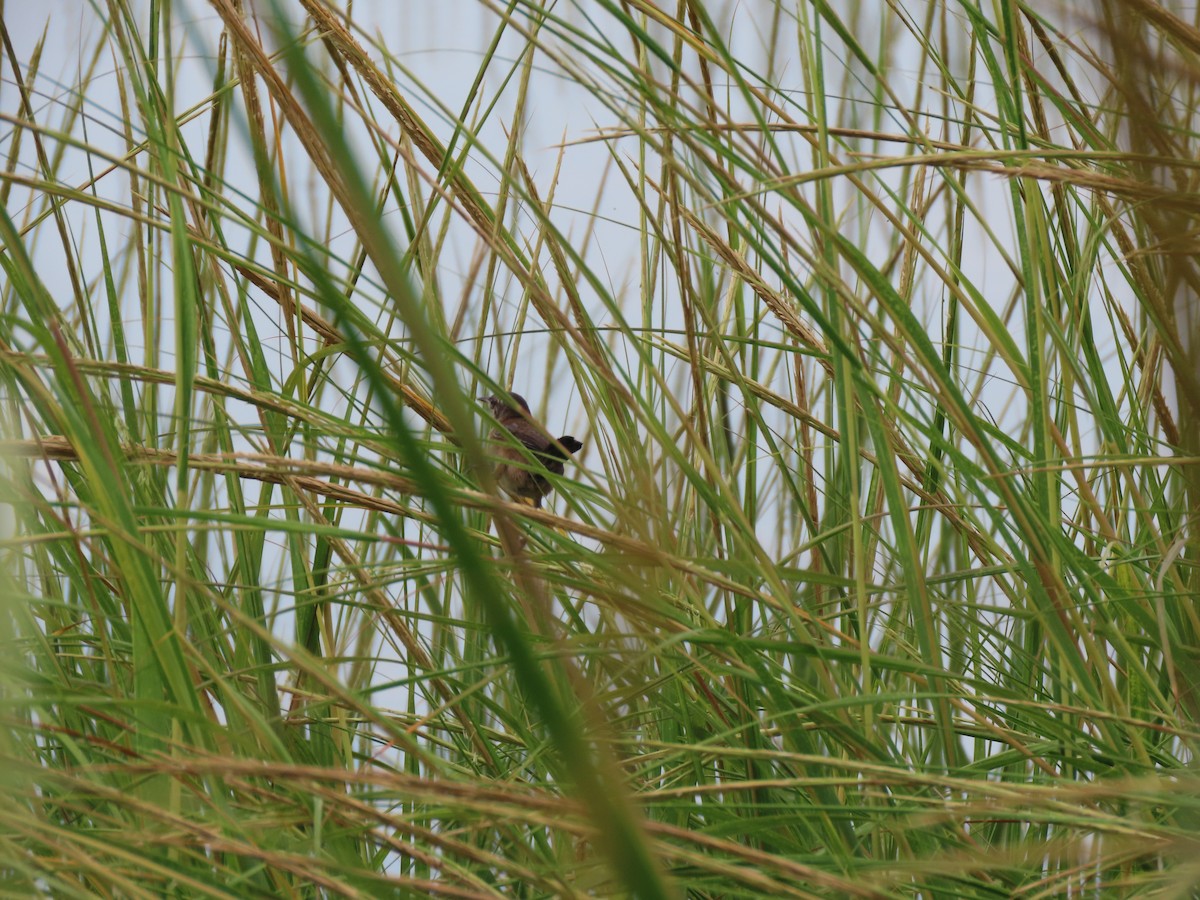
(520,473)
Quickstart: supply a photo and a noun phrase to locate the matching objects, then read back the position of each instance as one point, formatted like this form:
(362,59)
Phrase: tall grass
(877,575)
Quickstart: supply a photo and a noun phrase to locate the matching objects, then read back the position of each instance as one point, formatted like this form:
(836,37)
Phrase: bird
(519,475)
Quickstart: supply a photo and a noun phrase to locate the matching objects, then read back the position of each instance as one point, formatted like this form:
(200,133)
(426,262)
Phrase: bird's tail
(567,443)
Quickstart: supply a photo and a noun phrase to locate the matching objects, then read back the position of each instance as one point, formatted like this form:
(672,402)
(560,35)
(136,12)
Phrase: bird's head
(512,406)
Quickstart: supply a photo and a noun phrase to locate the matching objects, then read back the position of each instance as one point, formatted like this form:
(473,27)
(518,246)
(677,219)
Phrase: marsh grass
(876,576)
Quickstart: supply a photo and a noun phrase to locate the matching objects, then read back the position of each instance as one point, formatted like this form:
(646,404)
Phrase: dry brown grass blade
(783,310)
(302,477)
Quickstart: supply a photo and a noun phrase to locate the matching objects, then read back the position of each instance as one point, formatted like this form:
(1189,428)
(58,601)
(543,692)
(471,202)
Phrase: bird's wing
(557,452)
(545,449)
(534,441)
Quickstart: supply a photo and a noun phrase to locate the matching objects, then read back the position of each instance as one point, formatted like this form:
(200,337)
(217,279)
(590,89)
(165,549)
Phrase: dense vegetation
(876,576)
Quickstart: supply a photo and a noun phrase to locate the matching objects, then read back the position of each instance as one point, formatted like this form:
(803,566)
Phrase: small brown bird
(519,475)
